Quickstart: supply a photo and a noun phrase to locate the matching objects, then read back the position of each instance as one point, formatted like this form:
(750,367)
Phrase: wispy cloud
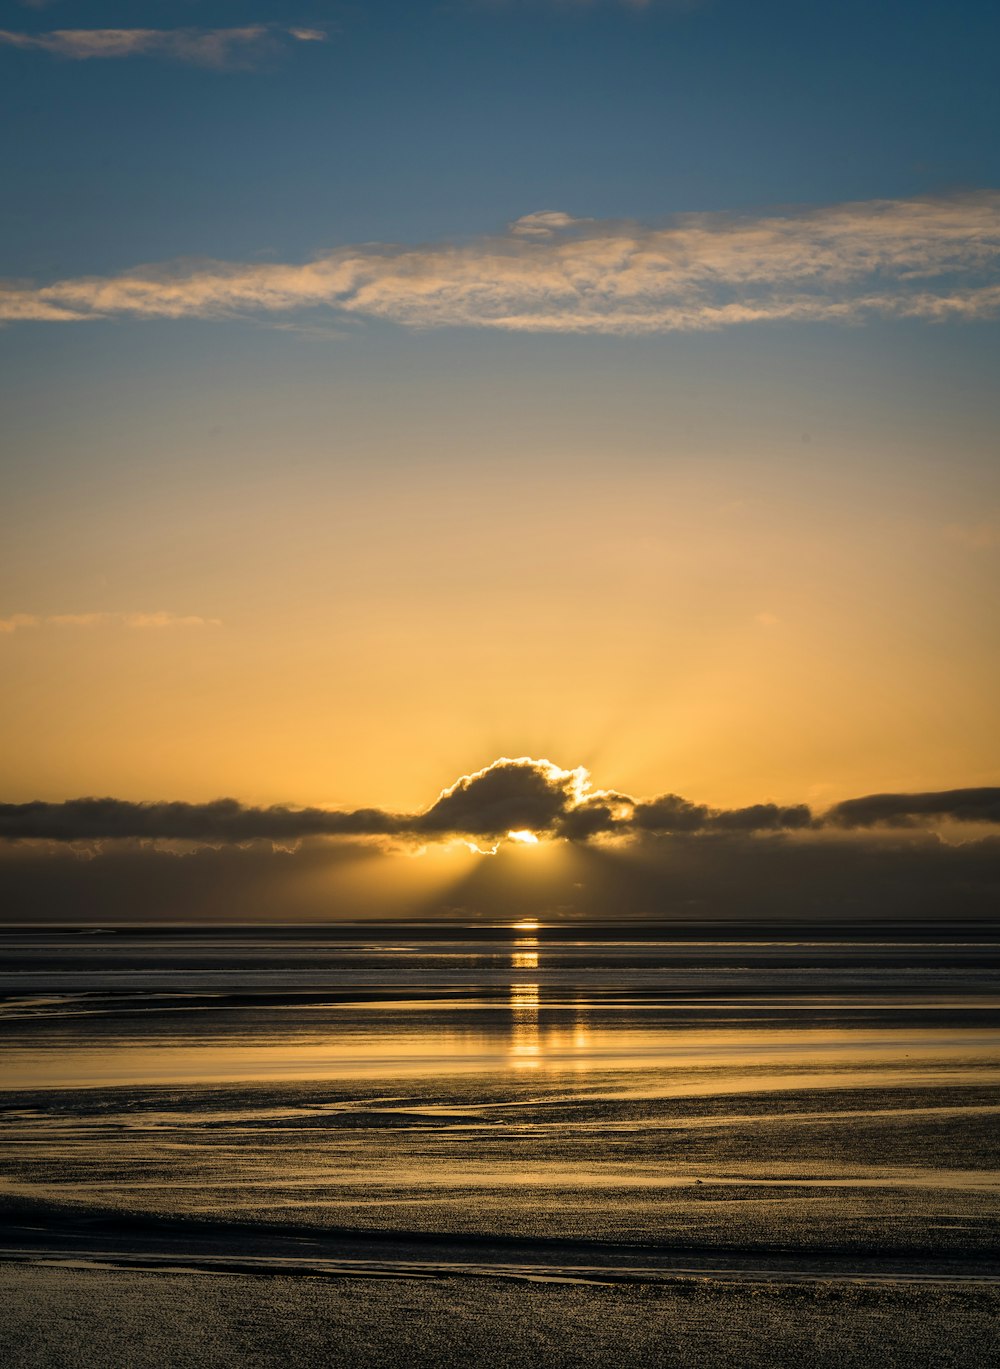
(932,259)
(136,621)
(232,47)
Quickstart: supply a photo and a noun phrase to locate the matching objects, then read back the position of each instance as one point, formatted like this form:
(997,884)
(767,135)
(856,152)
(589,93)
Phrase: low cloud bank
(509,795)
(837,877)
(909,810)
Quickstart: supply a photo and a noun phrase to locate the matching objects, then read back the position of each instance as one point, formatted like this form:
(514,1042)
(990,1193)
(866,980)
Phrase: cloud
(816,878)
(543,224)
(137,621)
(220,48)
(18,620)
(221,821)
(509,795)
(109,860)
(674,814)
(931,259)
(907,810)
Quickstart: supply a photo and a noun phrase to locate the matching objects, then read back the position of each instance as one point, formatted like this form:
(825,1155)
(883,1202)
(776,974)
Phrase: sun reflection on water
(567,1046)
(523,957)
(525,1040)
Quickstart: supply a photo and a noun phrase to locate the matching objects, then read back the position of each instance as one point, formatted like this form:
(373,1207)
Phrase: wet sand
(73,1319)
(435,1147)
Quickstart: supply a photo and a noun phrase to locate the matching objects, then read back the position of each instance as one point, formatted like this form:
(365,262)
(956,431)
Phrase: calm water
(645,1098)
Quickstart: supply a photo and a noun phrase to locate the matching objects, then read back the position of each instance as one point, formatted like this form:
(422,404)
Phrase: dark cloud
(223,820)
(596,814)
(506,796)
(762,817)
(905,810)
(674,814)
(670,813)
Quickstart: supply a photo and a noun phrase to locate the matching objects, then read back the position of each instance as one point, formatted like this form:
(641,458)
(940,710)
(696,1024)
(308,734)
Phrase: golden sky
(789,622)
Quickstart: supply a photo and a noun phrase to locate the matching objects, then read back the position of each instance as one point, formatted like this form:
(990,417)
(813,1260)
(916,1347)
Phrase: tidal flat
(175,1320)
(663,1144)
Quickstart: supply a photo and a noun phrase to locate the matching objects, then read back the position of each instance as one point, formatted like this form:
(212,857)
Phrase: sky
(390,388)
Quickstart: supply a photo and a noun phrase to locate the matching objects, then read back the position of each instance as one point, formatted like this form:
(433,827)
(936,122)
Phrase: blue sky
(420,121)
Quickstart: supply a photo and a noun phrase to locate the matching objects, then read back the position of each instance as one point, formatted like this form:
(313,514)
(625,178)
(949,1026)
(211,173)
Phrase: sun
(523,836)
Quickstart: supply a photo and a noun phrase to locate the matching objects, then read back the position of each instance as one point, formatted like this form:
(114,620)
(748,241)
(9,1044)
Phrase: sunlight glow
(524,836)
(477,850)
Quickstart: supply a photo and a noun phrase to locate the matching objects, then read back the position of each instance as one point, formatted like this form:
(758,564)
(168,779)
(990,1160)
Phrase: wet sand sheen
(738,1058)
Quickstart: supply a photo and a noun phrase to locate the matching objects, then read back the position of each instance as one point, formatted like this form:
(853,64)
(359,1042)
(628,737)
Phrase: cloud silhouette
(223,820)
(670,813)
(762,817)
(906,810)
(506,796)
(510,795)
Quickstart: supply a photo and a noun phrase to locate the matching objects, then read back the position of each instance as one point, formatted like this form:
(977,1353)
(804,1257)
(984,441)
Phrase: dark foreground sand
(112,1319)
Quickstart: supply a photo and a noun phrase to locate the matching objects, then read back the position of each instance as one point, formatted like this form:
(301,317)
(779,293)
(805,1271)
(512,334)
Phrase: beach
(391,1144)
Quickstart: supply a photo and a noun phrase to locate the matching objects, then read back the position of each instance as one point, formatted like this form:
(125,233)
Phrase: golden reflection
(525,1040)
(672,1063)
(569,1046)
(523,957)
